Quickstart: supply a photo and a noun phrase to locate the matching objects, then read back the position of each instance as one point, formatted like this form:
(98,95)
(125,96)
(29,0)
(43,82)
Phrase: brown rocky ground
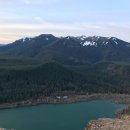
(110,124)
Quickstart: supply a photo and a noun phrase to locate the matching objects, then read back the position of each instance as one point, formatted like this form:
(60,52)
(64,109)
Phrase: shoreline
(116,98)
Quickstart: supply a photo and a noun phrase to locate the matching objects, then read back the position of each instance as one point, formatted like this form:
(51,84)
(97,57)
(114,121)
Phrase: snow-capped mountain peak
(26,39)
(82,37)
(98,41)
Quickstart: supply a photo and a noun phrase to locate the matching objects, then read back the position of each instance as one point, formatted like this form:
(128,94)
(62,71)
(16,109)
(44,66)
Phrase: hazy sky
(21,18)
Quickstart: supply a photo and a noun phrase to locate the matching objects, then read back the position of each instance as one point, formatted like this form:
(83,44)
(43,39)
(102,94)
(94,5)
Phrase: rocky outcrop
(110,124)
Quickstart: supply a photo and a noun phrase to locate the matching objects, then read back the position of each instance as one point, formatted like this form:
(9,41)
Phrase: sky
(29,18)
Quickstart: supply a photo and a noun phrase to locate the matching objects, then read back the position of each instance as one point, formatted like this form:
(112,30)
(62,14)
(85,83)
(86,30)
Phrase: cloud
(13,31)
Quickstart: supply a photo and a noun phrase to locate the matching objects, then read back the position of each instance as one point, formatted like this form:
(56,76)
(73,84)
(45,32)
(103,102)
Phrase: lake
(57,117)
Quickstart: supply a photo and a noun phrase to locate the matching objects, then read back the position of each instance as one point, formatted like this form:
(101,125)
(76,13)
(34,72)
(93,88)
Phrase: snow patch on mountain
(68,38)
(88,43)
(23,40)
(47,38)
(82,38)
(115,40)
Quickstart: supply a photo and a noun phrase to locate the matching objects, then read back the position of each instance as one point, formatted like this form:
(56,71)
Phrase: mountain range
(69,50)
(45,65)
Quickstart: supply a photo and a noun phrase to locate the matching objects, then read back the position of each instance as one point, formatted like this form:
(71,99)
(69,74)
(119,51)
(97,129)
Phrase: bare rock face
(110,124)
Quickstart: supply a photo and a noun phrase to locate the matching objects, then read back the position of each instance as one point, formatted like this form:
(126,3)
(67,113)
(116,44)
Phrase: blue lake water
(57,117)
